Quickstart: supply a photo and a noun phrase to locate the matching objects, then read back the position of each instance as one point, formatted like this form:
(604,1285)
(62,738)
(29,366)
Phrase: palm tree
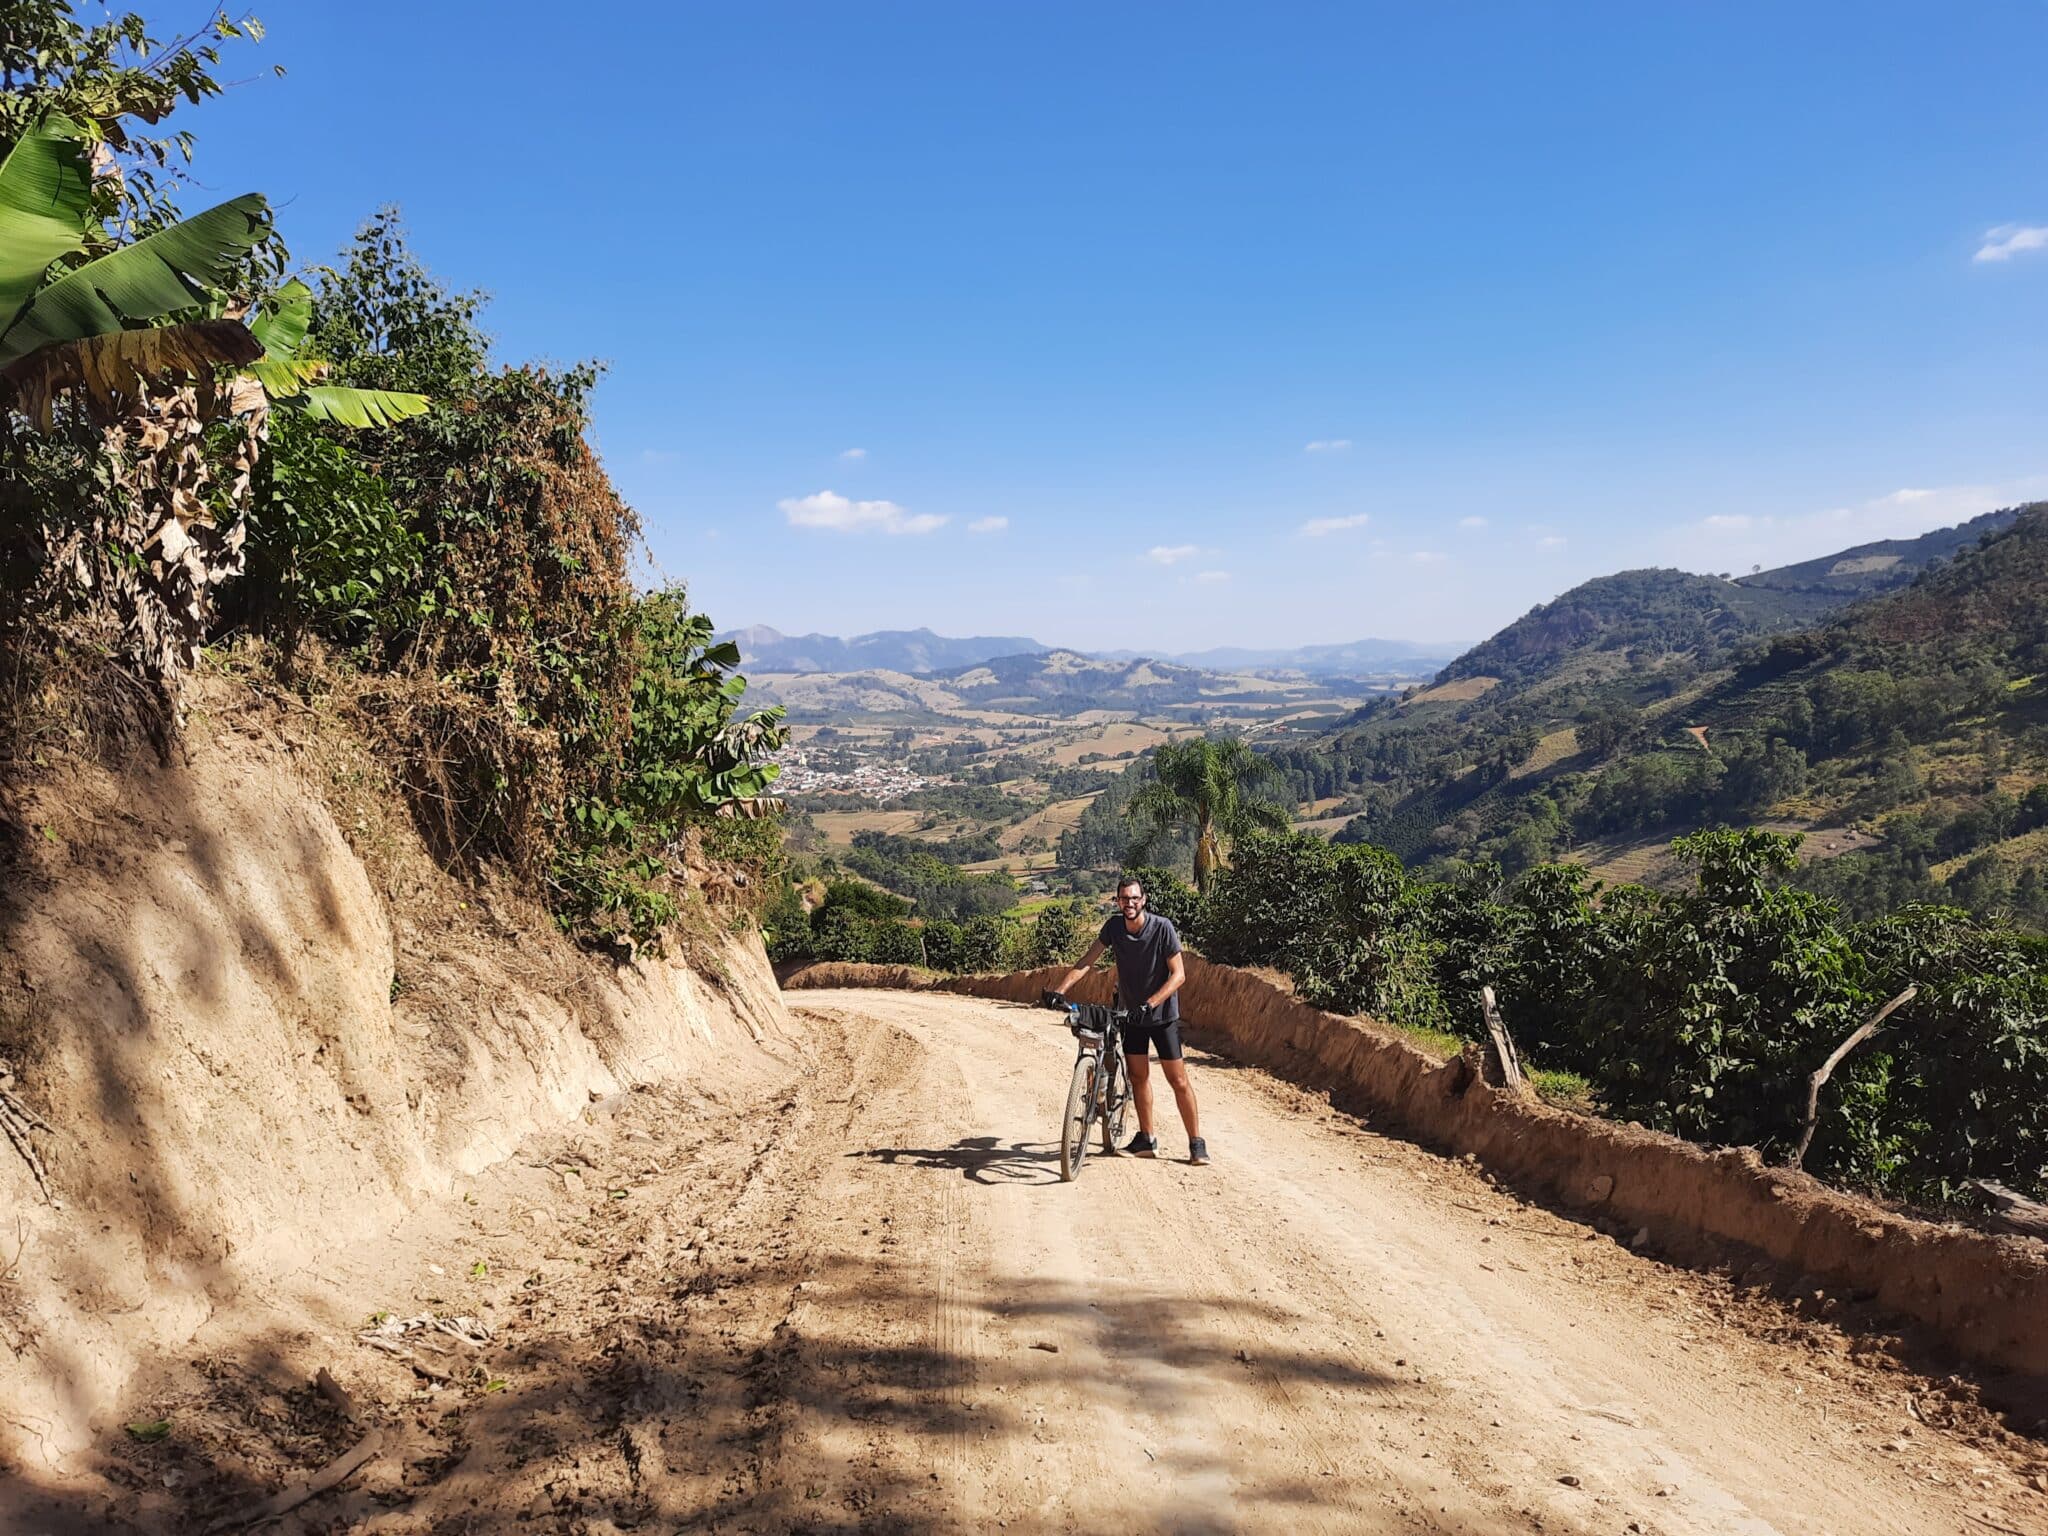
(1203,785)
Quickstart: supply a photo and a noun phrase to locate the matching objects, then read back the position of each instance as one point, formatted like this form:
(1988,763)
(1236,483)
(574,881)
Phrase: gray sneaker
(1198,1151)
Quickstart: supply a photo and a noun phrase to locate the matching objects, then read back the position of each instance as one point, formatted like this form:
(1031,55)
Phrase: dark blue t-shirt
(1141,960)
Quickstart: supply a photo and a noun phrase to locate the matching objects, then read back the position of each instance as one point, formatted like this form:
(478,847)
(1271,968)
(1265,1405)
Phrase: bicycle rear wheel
(1075,1122)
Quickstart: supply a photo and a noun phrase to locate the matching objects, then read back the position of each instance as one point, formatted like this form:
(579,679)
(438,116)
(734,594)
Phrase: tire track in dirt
(862,1301)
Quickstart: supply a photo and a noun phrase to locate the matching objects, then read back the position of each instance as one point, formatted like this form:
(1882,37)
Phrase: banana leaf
(109,371)
(359,407)
(156,276)
(292,380)
(45,203)
(282,323)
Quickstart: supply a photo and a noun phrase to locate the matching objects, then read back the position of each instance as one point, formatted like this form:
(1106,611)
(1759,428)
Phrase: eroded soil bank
(861,1300)
(259,1027)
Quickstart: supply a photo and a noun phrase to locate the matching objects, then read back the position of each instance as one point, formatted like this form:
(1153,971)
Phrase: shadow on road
(984,1159)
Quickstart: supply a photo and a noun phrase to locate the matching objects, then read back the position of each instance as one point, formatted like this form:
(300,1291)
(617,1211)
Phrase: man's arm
(1176,973)
(1073,977)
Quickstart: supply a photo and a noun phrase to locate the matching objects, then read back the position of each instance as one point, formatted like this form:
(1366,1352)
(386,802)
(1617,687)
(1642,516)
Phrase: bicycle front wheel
(1074,1123)
(1116,1108)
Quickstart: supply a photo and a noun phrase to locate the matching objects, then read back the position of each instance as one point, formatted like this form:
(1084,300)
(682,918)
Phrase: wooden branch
(2015,1210)
(336,1471)
(1815,1083)
(1503,1064)
(17,1120)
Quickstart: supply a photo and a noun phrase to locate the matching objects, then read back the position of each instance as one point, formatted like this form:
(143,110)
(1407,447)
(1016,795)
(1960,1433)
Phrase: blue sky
(1171,325)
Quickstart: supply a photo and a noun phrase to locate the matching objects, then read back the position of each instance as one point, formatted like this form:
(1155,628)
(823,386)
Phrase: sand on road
(866,1302)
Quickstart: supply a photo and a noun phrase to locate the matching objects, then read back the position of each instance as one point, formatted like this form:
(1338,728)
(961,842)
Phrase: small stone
(1601,1187)
(1569,1481)
(1893,1445)
(1642,1236)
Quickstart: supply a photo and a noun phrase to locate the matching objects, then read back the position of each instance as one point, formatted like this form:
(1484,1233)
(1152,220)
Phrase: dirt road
(867,1303)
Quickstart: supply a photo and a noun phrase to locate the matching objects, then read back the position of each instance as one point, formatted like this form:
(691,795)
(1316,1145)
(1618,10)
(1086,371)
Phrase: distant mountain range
(920,652)
(888,650)
(1356,658)
(1056,683)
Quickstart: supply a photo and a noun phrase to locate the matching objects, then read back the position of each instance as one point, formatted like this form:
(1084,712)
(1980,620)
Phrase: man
(1149,972)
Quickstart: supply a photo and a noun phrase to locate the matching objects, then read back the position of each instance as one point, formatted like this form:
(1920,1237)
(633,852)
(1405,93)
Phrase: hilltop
(1888,695)
(1641,620)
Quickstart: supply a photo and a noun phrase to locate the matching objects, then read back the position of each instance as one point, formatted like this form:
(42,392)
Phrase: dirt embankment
(261,1025)
(1985,1296)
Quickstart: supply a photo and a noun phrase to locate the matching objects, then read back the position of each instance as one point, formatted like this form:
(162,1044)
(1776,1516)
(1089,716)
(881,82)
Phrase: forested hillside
(1646,704)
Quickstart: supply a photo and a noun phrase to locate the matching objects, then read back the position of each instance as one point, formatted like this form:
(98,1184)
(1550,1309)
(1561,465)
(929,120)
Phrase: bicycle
(1101,1086)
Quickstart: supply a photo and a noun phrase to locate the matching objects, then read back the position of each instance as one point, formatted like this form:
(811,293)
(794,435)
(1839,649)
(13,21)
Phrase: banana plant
(86,329)
(292,378)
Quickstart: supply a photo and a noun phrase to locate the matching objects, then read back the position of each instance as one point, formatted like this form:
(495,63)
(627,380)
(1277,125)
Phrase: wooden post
(1815,1083)
(1503,1065)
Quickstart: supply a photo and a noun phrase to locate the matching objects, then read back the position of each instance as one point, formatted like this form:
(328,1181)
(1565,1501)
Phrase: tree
(1205,786)
(118,84)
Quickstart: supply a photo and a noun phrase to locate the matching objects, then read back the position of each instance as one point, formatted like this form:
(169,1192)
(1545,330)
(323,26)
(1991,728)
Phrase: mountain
(889,650)
(1056,683)
(1892,695)
(1868,569)
(1355,658)
(1651,618)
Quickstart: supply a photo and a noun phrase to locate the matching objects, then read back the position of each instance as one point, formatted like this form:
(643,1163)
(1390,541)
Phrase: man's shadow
(981,1158)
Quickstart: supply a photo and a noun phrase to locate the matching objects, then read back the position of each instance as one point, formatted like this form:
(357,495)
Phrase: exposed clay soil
(861,1300)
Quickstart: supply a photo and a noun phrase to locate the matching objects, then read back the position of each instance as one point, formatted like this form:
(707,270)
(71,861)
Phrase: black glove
(1142,1015)
(1051,999)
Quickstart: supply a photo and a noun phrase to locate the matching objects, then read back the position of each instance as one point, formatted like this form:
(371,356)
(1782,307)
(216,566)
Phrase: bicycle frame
(1100,1089)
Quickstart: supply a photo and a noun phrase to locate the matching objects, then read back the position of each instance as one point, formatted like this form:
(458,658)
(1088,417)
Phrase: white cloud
(854,455)
(1212,576)
(1551,541)
(1171,554)
(1329,445)
(1427,557)
(2009,240)
(1316,527)
(1731,522)
(988,525)
(828,509)
(1471,522)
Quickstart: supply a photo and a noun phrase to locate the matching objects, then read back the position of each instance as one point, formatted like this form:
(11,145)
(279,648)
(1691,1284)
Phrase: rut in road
(866,1303)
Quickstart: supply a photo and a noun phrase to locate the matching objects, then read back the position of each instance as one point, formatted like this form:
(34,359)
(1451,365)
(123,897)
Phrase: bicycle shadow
(984,1159)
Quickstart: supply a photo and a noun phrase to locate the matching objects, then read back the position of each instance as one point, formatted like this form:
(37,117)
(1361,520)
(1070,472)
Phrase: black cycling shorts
(1140,1038)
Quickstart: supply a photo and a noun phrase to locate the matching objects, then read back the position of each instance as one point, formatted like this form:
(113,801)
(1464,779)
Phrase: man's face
(1131,901)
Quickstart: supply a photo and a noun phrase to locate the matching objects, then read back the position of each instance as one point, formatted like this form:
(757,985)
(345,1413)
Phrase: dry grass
(838,827)
(1550,751)
(1048,823)
(1120,736)
(1461,691)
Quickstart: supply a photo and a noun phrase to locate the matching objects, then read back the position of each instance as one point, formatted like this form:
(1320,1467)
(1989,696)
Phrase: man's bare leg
(1141,1089)
(1183,1096)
